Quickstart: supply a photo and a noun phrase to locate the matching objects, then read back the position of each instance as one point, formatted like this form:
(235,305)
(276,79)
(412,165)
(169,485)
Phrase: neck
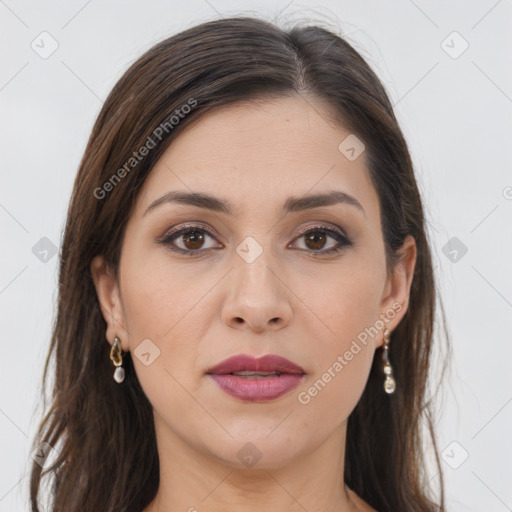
(192,480)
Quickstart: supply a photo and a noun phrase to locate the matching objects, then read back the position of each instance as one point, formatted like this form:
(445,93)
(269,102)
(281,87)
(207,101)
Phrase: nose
(258,299)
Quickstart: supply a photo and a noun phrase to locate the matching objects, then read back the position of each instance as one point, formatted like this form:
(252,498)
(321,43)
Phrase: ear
(107,289)
(395,299)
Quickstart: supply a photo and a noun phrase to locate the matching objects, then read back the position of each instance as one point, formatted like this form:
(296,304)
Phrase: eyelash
(177,232)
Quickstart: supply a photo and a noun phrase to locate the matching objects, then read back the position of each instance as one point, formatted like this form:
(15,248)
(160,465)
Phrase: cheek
(345,299)
(166,312)
(158,295)
(343,357)
(331,395)
(347,307)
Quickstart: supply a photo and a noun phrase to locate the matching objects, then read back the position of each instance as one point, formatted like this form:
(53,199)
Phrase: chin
(258,452)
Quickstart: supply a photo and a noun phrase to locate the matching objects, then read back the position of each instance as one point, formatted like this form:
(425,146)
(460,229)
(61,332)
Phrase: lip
(266,363)
(257,390)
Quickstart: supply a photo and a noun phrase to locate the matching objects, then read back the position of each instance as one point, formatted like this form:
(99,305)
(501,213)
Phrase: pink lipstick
(257,379)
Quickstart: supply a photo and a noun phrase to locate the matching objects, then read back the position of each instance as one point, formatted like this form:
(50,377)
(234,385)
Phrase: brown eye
(193,239)
(188,240)
(315,240)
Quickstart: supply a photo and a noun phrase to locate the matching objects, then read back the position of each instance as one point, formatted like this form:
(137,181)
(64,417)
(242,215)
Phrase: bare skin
(295,300)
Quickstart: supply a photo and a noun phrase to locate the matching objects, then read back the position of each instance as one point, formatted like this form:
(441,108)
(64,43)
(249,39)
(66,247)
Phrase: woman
(246,234)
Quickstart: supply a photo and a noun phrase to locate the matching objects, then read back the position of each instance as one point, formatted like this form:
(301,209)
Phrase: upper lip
(266,363)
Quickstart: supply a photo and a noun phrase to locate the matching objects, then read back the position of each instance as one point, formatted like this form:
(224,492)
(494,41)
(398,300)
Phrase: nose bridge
(257,298)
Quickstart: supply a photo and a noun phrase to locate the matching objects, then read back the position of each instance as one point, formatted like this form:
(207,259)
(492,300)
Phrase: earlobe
(107,291)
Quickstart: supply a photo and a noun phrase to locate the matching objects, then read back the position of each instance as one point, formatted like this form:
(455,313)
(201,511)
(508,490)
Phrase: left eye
(193,239)
(315,239)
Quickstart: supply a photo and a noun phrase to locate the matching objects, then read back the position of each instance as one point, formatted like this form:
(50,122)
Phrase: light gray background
(455,111)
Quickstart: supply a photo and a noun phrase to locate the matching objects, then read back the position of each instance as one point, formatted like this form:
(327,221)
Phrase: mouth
(257,379)
(254,375)
(245,365)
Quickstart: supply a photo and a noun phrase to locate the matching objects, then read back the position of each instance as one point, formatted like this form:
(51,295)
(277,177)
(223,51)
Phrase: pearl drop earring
(117,359)
(389,383)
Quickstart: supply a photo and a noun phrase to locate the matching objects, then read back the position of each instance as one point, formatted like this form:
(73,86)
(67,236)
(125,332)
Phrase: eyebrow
(292,204)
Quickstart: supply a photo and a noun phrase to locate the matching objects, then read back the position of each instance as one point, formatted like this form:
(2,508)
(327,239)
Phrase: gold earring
(389,383)
(117,359)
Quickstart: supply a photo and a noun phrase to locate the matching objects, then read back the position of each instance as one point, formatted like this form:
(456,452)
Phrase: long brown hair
(106,454)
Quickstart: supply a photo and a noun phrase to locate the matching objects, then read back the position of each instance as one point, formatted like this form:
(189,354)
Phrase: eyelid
(337,233)
(327,227)
(176,230)
(333,231)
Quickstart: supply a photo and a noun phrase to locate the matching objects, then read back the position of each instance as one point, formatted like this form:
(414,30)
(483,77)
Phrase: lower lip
(257,390)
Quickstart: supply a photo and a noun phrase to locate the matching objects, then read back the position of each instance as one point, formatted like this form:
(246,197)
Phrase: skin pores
(303,304)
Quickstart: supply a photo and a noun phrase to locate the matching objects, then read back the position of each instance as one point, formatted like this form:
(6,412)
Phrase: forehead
(260,153)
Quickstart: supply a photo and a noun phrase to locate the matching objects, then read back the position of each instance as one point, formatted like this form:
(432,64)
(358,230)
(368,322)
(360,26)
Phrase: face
(199,283)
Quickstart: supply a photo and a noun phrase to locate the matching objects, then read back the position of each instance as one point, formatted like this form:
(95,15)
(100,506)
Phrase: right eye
(192,239)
